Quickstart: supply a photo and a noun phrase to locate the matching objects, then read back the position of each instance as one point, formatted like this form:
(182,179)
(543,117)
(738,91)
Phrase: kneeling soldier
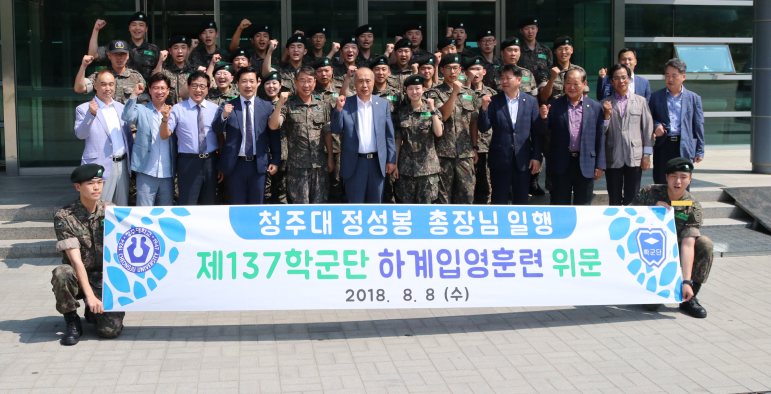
(79,229)
(695,249)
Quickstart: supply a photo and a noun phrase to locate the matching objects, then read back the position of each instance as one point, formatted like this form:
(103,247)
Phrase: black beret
(562,40)
(460,25)
(413,26)
(238,53)
(86,172)
(679,164)
(473,61)
(296,38)
(259,29)
(347,41)
(379,61)
(414,79)
(271,76)
(527,21)
(224,66)
(118,46)
(139,16)
(449,58)
(313,30)
(403,43)
(425,59)
(444,42)
(362,29)
(178,39)
(207,25)
(321,62)
(510,41)
(485,33)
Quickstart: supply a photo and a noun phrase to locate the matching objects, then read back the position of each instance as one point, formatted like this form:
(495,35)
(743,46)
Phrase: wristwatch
(476,147)
(437,113)
(647,155)
(688,282)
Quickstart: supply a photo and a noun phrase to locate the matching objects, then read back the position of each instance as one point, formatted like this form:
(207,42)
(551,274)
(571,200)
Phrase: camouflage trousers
(275,186)
(336,187)
(389,189)
(418,189)
(702,259)
(483,188)
(67,291)
(456,180)
(308,185)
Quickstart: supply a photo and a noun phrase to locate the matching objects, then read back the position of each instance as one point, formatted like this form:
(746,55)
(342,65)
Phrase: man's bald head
(364,81)
(363,73)
(104,85)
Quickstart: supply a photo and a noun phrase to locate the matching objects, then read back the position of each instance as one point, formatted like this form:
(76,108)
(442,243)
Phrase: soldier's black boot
(651,307)
(693,307)
(73,331)
(535,188)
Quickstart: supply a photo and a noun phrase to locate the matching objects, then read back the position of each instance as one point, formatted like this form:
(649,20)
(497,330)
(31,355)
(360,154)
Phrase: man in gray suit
(628,138)
(108,138)
(368,146)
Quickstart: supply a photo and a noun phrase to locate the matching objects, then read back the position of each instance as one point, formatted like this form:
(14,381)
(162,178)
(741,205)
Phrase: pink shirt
(575,116)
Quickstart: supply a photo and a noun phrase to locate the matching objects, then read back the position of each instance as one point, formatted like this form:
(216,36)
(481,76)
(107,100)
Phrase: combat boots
(73,330)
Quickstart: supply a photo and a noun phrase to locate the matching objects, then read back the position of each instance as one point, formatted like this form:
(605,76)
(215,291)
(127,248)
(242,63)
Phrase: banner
(281,257)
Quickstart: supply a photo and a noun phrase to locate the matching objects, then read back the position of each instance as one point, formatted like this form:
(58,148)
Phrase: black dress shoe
(74,329)
(693,308)
(652,307)
(535,190)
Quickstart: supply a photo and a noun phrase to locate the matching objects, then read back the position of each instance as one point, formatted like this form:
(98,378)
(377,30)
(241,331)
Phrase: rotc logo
(652,246)
(138,250)
(119,45)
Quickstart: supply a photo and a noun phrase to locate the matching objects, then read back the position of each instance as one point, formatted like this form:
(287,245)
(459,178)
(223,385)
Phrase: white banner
(280,257)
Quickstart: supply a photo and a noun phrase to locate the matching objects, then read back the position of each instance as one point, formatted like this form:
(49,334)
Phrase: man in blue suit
(678,121)
(515,146)
(638,85)
(108,138)
(368,145)
(244,158)
(577,143)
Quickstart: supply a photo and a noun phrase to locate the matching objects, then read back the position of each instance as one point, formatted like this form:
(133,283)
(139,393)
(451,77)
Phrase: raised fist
(486,99)
(603,72)
(166,111)
(163,56)
(226,110)
(608,107)
(397,39)
(555,72)
(194,43)
(93,106)
(340,103)
(438,58)
(216,58)
(389,48)
(544,111)
(449,31)
(244,24)
(456,86)
(414,68)
(273,45)
(87,60)
(202,68)
(351,71)
(100,23)
(284,97)
(430,103)
(299,32)
(138,89)
(335,47)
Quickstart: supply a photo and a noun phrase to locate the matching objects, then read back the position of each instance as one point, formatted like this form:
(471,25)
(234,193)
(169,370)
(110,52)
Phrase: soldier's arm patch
(59,224)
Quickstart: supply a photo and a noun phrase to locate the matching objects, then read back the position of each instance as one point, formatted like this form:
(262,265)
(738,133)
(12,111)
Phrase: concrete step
(715,209)
(701,194)
(729,223)
(28,248)
(23,212)
(33,229)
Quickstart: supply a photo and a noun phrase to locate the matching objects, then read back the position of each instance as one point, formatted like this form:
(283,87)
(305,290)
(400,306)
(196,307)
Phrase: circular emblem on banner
(138,250)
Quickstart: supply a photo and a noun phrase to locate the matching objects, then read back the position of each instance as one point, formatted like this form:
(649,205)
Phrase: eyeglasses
(488,41)
(452,68)
(621,78)
(305,81)
(198,87)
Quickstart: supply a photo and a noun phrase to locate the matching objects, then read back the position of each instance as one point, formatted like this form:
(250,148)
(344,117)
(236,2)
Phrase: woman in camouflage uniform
(275,185)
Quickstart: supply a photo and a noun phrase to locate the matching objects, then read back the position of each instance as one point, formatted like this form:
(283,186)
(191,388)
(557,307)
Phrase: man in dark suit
(577,143)
(515,147)
(638,85)
(244,158)
(368,145)
(678,121)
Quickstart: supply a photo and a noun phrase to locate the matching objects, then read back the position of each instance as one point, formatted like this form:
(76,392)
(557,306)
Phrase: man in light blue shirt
(155,157)
(197,144)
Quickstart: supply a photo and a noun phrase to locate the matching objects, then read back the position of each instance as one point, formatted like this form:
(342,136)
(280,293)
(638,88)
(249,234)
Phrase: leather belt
(196,155)
(118,158)
(244,158)
(575,154)
(674,138)
(368,155)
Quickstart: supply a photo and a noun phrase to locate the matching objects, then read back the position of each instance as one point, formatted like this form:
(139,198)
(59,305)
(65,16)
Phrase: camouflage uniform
(217,97)
(539,61)
(305,124)
(329,96)
(483,189)
(142,58)
(124,83)
(361,61)
(287,73)
(397,77)
(76,228)
(466,54)
(339,71)
(688,220)
(199,56)
(394,98)
(417,53)
(256,61)
(528,85)
(454,147)
(275,185)
(178,77)
(418,163)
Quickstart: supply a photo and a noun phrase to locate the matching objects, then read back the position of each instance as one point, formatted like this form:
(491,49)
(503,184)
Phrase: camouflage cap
(86,172)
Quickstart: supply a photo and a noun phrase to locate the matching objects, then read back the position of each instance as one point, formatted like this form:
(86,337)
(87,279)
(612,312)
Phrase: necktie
(201,132)
(248,150)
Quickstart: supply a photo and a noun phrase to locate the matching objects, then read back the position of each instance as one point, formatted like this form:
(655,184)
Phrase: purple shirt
(622,101)
(575,116)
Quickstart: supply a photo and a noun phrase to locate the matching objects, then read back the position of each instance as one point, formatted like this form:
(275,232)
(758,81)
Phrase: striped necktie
(202,148)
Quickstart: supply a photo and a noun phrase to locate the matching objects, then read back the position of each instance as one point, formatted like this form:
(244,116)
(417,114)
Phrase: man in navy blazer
(577,147)
(678,121)
(244,158)
(639,85)
(515,146)
(368,145)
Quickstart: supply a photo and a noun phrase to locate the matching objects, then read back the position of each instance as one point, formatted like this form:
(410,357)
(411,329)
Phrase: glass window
(2,147)
(232,12)
(727,131)
(2,113)
(713,21)
(742,55)
(475,16)
(51,39)
(651,56)
(706,58)
(390,18)
(172,17)
(717,96)
(339,16)
(649,20)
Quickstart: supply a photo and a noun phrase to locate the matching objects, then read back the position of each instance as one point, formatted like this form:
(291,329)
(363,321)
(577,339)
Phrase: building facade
(43,43)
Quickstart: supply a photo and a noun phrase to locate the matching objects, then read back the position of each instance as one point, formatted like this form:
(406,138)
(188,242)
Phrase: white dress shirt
(367,141)
(242,152)
(631,84)
(513,105)
(183,121)
(113,126)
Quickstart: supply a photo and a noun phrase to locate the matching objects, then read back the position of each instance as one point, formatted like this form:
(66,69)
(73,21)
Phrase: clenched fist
(244,24)
(87,60)
(163,56)
(273,45)
(544,110)
(397,38)
(226,110)
(340,103)
(555,72)
(216,58)
(389,49)
(100,23)
(138,89)
(335,47)
(608,108)
(486,99)
(194,43)
(414,68)
(603,72)
(166,111)
(430,103)
(449,31)
(93,106)
(351,71)
(284,97)
(456,86)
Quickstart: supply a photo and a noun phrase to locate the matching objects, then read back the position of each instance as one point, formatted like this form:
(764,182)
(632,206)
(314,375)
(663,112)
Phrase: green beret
(679,164)
(562,40)
(271,76)
(224,66)
(414,79)
(473,61)
(449,58)
(362,29)
(445,42)
(379,61)
(321,62)
(86,172)
(511,41)
(295,38)
(403,43)
(425,59)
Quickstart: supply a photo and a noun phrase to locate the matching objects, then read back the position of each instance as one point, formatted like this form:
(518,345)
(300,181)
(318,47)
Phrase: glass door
(169,18)
(258,12)
(474,15)
(390,18)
